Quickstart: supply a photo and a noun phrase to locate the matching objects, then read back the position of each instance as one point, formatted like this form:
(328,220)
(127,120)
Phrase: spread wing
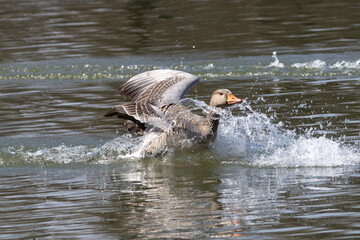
(158,87)
(151,91)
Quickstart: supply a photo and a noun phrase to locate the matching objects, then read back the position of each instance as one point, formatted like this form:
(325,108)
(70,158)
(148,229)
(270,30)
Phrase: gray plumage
(150,92)
(158,87)
(155,97)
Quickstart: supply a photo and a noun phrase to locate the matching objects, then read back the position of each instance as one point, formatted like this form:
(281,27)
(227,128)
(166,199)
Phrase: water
(285,163)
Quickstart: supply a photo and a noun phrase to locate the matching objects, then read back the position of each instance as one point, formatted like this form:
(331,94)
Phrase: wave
(319,64)
(346,64)
(250,138)
(283,65)
(316,64)
(262,143)
(111,151)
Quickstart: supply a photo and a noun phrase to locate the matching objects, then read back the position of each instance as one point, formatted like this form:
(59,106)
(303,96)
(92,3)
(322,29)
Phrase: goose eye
(221,94)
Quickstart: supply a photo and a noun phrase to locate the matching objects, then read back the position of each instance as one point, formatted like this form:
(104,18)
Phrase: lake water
(285,164)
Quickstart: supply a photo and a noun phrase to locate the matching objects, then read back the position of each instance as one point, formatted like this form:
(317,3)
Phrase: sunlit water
(285,163)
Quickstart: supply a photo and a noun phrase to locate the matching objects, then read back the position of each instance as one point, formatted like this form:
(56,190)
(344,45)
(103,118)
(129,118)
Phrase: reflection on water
(256,180)
(35,30)
(142,200)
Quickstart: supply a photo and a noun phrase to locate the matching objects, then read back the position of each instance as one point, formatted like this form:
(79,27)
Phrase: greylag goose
(155,101)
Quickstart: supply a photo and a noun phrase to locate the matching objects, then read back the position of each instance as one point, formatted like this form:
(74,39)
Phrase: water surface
(285,163)
(36,30)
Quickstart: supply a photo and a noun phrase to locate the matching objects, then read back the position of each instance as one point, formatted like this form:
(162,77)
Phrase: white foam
(251,138)
(59,154)
(120,147)
(346,64)
(209,66)
(276,62)
(254,139)
(320,64)
(305,152)
(316,64)
(110,151)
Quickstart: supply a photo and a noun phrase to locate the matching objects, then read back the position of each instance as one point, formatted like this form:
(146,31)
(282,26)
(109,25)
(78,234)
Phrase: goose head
(223,97)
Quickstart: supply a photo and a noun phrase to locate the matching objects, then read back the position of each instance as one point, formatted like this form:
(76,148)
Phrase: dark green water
(285,163)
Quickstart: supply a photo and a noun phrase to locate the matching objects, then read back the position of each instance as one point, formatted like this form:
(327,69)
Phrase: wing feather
(150,92)
(160,87)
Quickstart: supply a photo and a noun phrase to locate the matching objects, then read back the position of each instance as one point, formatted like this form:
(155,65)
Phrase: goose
(156,104)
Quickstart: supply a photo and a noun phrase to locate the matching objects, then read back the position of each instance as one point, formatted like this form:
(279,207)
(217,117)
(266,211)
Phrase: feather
(150,92)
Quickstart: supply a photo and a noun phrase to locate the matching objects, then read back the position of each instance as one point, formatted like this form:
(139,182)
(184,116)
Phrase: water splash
(250,138)
(118,148)
(346,65)
(86,70)
(276,62)
(311,152)
(316,64)
(256,140)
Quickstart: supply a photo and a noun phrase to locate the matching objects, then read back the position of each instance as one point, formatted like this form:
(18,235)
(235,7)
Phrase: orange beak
(231,99)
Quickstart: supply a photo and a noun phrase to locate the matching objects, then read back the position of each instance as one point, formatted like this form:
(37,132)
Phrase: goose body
(155,103)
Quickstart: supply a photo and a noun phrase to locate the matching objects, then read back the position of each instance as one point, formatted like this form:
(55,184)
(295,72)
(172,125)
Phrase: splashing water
(251,138)
(260,142)
(316,64)
(313,151)
(276,62)
(113,150)
(346,64)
